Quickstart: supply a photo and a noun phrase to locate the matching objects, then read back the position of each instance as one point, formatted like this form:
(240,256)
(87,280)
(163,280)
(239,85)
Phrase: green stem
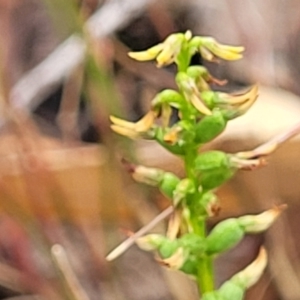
(205,275)
(198,225)
(183,60)
(205,267)
(189,158)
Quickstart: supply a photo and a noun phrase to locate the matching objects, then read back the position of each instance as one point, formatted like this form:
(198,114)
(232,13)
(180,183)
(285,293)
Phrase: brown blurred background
(63,70)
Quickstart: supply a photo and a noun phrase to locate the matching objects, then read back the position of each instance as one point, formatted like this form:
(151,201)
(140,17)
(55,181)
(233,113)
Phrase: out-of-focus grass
(62,196)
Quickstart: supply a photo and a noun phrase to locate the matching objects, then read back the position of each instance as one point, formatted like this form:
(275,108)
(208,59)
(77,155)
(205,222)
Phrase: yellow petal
(141,56)
(122,123)
(239,98)
(199,105)
(237,49)
(166,112)
(171,47)
(226,52)
(125,131)
(149,54)
(203,85)
(166,57)
(142,125)
(252,96)
(155,49)
(207,55)
(146,122)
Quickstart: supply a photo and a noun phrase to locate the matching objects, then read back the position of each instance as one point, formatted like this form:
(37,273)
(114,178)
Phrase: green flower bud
(224,236)
(210,127)
(213,169)
(231,291)
(168,248)
(211,296)
(169,184)
(228,233)
(165,181)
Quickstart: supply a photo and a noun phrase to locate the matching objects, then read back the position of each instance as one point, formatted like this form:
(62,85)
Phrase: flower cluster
(202,114)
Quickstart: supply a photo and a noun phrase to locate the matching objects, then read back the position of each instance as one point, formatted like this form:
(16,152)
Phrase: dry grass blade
(131,240)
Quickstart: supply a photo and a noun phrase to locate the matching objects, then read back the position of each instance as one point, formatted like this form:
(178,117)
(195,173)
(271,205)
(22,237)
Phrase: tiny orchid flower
(134,130)
(166,52)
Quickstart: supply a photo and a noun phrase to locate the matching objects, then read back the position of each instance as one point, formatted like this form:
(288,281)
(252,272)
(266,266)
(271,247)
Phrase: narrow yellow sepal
(240,98)
(199,105)
(140,126)
(122,123)
(210,49)
(125,131)
(146,55)
(227,52)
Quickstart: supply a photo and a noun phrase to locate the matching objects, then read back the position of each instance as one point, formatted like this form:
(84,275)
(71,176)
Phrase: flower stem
(205,276)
